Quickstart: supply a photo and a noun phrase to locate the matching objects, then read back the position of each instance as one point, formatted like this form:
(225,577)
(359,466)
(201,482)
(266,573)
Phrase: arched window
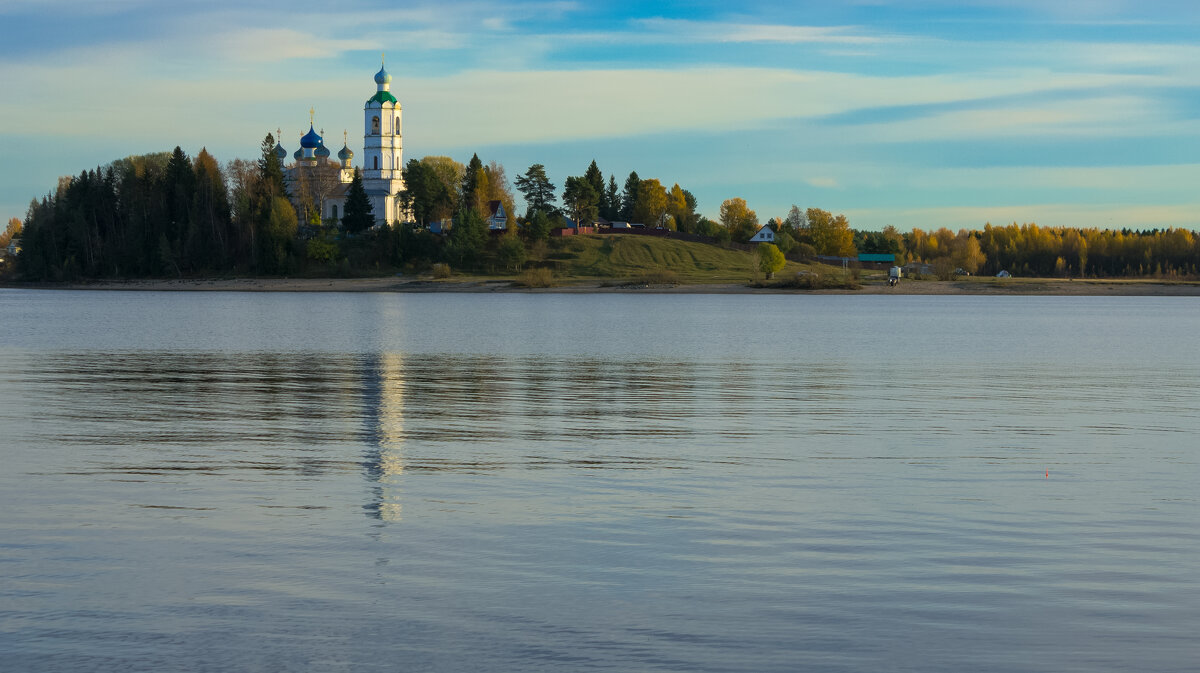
(397,131)
(334,207)
(376,163)
(375,126)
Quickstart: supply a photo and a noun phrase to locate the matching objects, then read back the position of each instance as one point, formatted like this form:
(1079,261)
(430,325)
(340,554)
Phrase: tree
(537,189)
(358,214)
(651,202)
(830,235)
(971,257)
(678,208)
(511,252)
(612,200)
(470,178)
(12,231)
(581,199)
(796,224)
(208,241)
(596,179)
(451,174)
(739,220)
(425,195)
(277,231)
(770,259)
(537,227)
(629,197)
(467,238)
(500,190)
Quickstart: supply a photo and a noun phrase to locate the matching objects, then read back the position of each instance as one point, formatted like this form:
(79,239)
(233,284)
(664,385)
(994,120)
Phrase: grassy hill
(632,257)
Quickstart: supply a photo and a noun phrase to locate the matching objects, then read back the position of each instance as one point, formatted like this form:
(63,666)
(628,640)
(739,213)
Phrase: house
(1003,274)
(14,247)
(497,219)
(621,225)
(764,235)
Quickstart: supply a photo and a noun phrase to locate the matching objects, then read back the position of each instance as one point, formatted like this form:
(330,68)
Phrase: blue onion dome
(280,152)
(310,140)
(345,154)
(299,155)
(322,152)
(382,77)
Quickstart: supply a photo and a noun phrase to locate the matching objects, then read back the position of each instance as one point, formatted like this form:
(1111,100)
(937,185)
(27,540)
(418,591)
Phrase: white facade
(764,235)
(383,151)
(325,181)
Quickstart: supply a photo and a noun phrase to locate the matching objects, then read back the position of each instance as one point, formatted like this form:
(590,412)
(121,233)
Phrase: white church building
(316,180)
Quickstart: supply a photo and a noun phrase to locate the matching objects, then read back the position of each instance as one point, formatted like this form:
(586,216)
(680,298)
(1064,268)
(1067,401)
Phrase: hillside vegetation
(618,256)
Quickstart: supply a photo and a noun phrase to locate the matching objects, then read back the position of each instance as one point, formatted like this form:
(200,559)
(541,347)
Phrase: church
(318,185)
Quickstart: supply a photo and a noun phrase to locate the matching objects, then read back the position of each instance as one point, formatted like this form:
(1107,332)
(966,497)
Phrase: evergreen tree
(537,228)
(612,200)
(629,197)
(580,200)
(470,181)
(596,179)
(537,189)
(358,215)
(467,238)
(270,170)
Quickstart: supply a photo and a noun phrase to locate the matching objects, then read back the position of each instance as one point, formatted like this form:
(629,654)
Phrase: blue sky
(915,113)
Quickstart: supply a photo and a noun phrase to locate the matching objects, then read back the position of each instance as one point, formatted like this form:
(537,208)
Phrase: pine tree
(612,200)
(596,179)
(470,180)
(630,196)
(537,189)
(358,214)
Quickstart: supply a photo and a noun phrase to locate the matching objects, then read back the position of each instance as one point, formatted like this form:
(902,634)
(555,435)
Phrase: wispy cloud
(682,30)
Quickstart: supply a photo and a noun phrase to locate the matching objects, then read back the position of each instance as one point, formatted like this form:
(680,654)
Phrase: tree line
(167,214)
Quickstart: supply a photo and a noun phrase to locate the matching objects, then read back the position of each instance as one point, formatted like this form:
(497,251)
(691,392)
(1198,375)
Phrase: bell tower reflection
(383,385)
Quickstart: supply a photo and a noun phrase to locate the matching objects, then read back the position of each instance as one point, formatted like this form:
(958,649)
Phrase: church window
(397,125)
(334,207)
(376,163)
(375,125)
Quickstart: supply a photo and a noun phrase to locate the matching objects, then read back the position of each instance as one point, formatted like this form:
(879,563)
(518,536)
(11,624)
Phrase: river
(221,481)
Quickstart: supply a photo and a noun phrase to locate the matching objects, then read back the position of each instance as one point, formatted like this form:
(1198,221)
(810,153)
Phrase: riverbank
(972,286)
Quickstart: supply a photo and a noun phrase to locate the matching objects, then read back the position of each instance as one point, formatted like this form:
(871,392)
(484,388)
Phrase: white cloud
(711,31)
(1114,215)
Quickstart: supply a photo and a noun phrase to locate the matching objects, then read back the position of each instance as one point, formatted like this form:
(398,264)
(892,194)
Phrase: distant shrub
(441,270)
(817,281)
(536,277)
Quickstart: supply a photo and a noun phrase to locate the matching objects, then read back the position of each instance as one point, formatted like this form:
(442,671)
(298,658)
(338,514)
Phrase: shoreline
(968,287)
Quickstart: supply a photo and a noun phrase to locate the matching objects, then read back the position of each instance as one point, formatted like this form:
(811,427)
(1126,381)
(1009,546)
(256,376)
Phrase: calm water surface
(358,482)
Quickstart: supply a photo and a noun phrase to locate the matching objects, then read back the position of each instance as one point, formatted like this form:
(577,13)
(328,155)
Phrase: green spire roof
(382,97)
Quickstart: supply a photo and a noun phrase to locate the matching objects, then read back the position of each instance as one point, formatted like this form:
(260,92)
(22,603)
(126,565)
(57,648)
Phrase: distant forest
(168,214)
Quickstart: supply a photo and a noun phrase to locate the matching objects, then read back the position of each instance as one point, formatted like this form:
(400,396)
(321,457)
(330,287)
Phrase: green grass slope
(616,256)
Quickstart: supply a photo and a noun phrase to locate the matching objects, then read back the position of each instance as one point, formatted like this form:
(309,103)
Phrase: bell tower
(382,149)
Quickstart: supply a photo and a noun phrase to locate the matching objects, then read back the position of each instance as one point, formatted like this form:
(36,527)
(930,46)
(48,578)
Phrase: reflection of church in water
(383,383)
(316,181)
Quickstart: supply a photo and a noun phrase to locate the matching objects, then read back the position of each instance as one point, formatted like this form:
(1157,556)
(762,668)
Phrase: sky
(912,113)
